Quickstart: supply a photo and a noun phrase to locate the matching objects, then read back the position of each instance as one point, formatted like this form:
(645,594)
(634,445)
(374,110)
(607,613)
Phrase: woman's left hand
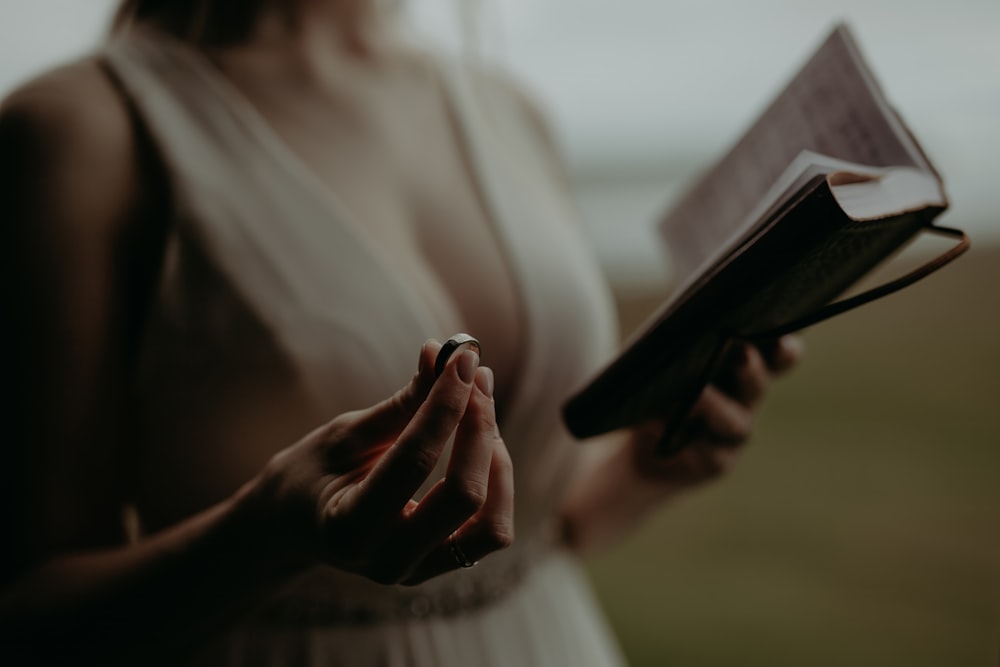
(721,422)
(623,477)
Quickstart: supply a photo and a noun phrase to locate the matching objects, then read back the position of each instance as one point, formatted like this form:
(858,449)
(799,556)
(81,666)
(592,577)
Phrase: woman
(239,220)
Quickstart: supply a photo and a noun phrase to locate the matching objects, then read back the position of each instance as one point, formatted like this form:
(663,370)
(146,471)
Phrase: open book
(825,185)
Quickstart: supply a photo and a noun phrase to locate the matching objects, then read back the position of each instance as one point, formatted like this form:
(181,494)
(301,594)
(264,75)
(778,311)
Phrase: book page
(832,106)
(864,192)
(901,190)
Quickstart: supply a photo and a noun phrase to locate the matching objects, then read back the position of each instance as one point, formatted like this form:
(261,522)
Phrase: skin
(86,208)
(623,478)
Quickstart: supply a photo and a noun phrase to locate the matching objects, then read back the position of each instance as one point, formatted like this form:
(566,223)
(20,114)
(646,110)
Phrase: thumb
(386,419)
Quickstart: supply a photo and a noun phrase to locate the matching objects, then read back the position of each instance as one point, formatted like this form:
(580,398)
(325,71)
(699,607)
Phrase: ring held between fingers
(408,462)
(464,490)
(455,344)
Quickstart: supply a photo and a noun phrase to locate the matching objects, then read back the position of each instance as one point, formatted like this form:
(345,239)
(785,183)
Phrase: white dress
(274,314)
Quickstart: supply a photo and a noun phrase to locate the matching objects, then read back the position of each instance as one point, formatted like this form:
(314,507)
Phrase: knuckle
(341,429)
(754,361)
(754,372)
(341,424)
(730,426)
(484,422)
(420,461)
(713,466)
(739,431)
(499,536)
(483,413)
(502,459)
(399,403)
(447,409)
(727,433)
(716,461)
(465,496)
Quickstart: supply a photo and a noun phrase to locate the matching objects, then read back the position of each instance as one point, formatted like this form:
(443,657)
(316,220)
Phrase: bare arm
(78,213)
(82,242)
(67,188)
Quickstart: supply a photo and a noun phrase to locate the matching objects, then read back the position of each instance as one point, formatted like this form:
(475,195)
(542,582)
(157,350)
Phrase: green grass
(863,524)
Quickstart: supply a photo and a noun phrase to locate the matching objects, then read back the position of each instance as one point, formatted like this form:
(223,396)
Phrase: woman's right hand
(343,495)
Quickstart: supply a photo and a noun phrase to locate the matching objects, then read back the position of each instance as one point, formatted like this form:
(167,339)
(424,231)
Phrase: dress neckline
(454,82)
(294,165)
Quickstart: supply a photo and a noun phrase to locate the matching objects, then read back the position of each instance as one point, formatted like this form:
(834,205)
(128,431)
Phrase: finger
(753,377)
(384,421)
(783,354)
(408,462)
(748,378)
(464,489)
(711,460)
(720,419)
(491,529)
(461,493)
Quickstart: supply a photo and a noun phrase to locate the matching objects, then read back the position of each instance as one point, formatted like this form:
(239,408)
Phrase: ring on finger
(451,346)
(458,554)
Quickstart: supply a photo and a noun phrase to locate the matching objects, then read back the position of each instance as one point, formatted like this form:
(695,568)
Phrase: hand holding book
(825,185)
(721,418)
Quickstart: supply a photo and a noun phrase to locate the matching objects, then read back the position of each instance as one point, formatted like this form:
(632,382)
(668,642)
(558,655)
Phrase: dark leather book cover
(772,234)
(782,277)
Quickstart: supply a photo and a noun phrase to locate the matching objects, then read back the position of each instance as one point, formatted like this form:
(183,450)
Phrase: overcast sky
(649,80)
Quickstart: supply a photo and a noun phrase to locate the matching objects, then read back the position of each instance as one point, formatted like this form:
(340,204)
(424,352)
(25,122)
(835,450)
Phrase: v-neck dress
(273,314)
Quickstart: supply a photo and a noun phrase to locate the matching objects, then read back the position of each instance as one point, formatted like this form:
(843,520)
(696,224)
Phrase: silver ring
(458,554)
(450,347)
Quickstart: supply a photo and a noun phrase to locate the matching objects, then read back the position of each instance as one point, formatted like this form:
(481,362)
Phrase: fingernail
(484,380)
(468,362)
(422,361)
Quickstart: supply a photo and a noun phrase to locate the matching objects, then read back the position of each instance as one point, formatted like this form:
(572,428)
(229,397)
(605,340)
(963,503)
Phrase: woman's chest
(319,241)
(391,159)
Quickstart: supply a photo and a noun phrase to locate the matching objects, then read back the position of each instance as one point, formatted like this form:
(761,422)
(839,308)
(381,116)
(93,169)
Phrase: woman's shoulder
(76,102)
(68,133)
(511,91)
(502,81)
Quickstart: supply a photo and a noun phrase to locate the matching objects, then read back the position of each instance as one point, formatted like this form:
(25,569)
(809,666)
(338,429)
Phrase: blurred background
(863,526)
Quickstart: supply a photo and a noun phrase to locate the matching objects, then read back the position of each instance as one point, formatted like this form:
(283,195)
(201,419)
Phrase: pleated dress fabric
(273,314)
